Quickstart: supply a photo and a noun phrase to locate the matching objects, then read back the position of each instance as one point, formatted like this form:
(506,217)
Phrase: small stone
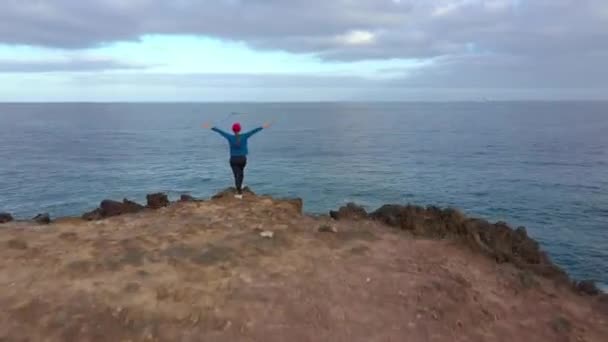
(162,293)
(117,312)
(16,244)
(142,273)
(459,324)
(195,318)
(368,280)
(435,316)
(267,234)
(561,325)
(327,229)
(132,287)
(411,325)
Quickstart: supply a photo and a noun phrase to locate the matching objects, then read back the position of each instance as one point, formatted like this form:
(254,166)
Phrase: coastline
(215,266)
(395,215)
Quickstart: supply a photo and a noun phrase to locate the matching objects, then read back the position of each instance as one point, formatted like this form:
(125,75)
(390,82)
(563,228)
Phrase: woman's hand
(207,125)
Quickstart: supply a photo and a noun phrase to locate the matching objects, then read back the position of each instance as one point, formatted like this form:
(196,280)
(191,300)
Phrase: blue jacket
(237,149)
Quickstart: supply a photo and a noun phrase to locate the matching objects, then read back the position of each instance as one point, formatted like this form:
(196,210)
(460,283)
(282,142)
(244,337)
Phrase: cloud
(65,65)
(357,37)
(78,24)
(400,28)
(496,42)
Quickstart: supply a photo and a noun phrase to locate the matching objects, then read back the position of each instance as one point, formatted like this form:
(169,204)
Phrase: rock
(499,241)
(327,229)
(162,293)
(109,208)
(5,217)
(602,303)
(186,198)
(113,208)
(349,212)
(587,287)
(157,201)
(42,218)
(526,278)
(561,325)
(92,215)
(16,244)
(132,287)
(267,234)
(230,192)
(296,203)
(389,214)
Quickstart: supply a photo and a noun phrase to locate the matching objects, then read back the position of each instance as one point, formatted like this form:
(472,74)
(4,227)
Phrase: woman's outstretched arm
(222,133)
(215,129)
(256,130)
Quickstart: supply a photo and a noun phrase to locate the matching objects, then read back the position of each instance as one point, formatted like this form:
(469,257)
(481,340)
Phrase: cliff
(258,269)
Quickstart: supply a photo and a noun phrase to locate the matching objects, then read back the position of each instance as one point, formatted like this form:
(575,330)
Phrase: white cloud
(357,37)
(448,8)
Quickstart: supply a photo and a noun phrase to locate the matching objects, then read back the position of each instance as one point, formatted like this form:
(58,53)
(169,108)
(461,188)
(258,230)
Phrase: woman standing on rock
(238,151)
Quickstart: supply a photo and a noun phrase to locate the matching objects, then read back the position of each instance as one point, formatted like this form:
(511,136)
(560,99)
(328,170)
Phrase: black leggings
(238,164)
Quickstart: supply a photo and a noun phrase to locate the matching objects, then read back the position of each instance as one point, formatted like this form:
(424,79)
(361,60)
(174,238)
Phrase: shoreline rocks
(187,198)
(351,211)
(5,218)
(42,218)
(498,240)
(109,208)
(157,200)
(587,287)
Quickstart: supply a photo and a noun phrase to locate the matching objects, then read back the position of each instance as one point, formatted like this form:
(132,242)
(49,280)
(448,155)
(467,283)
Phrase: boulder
(113,208)
(388,214)
(92,215)
(186,198)
(587,287)
(157,201)
(295,203)
(349,212)
(42,218)
(5,217)
(499,241)
(109,208)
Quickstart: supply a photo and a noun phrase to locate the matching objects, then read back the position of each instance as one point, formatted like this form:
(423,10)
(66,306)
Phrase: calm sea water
(541,165)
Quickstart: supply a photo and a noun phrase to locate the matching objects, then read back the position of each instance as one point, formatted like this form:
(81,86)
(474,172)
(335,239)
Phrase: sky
(303,50)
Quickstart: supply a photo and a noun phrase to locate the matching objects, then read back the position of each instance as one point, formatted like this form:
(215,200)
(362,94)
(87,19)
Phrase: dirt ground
(202,271)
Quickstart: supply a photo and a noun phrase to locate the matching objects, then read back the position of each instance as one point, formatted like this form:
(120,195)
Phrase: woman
(238,152)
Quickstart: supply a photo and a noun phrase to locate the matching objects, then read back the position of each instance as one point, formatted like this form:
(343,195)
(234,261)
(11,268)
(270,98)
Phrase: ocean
(543,165)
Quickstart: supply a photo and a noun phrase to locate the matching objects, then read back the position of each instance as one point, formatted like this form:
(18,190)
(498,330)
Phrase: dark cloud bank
(473,43)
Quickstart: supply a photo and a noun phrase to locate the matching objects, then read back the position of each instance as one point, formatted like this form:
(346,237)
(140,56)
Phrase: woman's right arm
(222,133)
